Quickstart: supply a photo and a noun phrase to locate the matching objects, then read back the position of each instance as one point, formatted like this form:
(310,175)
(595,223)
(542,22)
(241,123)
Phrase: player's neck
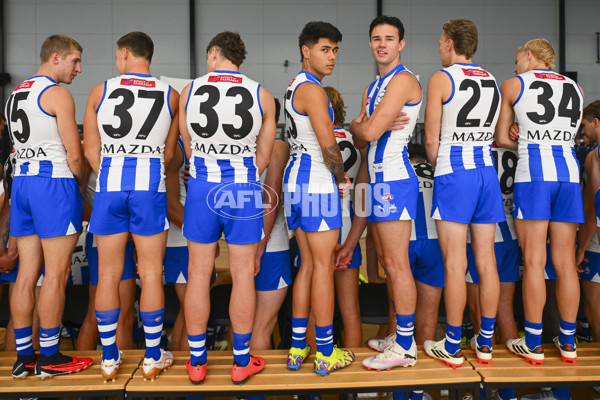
(385,69)
(460,59)
(226,65)
(141,68)
(45,70)
(538,65)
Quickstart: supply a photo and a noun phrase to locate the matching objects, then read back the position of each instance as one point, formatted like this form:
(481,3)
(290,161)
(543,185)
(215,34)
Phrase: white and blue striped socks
(533,334)
(24,342)
(153,322)
(486,332)
(241,348)
(197,349)
(325,339)
(405,327)
(107,327)
(567,332)
(299,332)
(49,339)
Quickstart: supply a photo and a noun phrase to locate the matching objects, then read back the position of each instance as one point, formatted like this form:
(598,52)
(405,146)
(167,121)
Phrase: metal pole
(192,12)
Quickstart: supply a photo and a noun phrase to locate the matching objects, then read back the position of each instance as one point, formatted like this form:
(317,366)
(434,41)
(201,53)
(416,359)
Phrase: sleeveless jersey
(280,239)
(306,164)
(175,236)
(38,147)
(423,227)
(387,158)
(594,245)
(352,159)
(505,161)
(134,118)
(469,118)
(548,110)
(224,117)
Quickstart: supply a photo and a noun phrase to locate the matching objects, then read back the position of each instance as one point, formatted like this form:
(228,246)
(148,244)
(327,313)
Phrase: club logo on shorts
(242,201)
(157,319)
(98,320)
(44,335)
(387,197)
(329,332)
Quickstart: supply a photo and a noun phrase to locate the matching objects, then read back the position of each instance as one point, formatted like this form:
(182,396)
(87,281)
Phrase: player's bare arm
(92,144)
(58,101)
(8,248)
(403,88)
(311,99)
(268,131)
(587,229)
(174,206)
(173,135)
(510,92)
(359,223)
(438,91)
(358,142)
(272,193)
(183,130)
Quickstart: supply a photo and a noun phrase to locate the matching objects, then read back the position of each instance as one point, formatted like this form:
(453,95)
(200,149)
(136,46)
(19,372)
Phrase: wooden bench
(510,370)
(84,383)
(276,379)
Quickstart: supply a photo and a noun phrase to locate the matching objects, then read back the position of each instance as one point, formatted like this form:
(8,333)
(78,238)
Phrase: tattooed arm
(311,99)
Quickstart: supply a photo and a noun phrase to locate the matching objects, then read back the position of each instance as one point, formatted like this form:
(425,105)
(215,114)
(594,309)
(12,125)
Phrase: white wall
(582,24)
(96,25)
(270,29)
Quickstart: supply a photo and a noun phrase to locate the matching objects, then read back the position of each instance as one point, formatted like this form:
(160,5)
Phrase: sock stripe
(152,329)
(24,340)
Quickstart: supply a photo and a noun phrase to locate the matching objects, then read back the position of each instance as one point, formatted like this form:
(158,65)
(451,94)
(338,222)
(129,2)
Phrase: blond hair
(337,103)
(60,44)
(541,49)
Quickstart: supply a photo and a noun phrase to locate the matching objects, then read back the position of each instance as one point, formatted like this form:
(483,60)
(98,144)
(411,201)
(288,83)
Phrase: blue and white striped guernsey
(548,111)
(423,226)
(387,158)
(224,117)
(134,117)
(175,235)
(306,167)
(469,118)
(38,147)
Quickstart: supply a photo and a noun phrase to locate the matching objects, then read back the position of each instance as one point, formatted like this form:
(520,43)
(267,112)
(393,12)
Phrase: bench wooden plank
(89,380)
(277,378)
(507,367)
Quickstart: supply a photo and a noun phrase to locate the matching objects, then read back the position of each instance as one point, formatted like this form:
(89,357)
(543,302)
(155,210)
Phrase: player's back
(134,117)
(352,159)
(423,226)
(175,236)
(224,117)
(469,118)
(505,161)
(387,157)
(38,147)
(548,111)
